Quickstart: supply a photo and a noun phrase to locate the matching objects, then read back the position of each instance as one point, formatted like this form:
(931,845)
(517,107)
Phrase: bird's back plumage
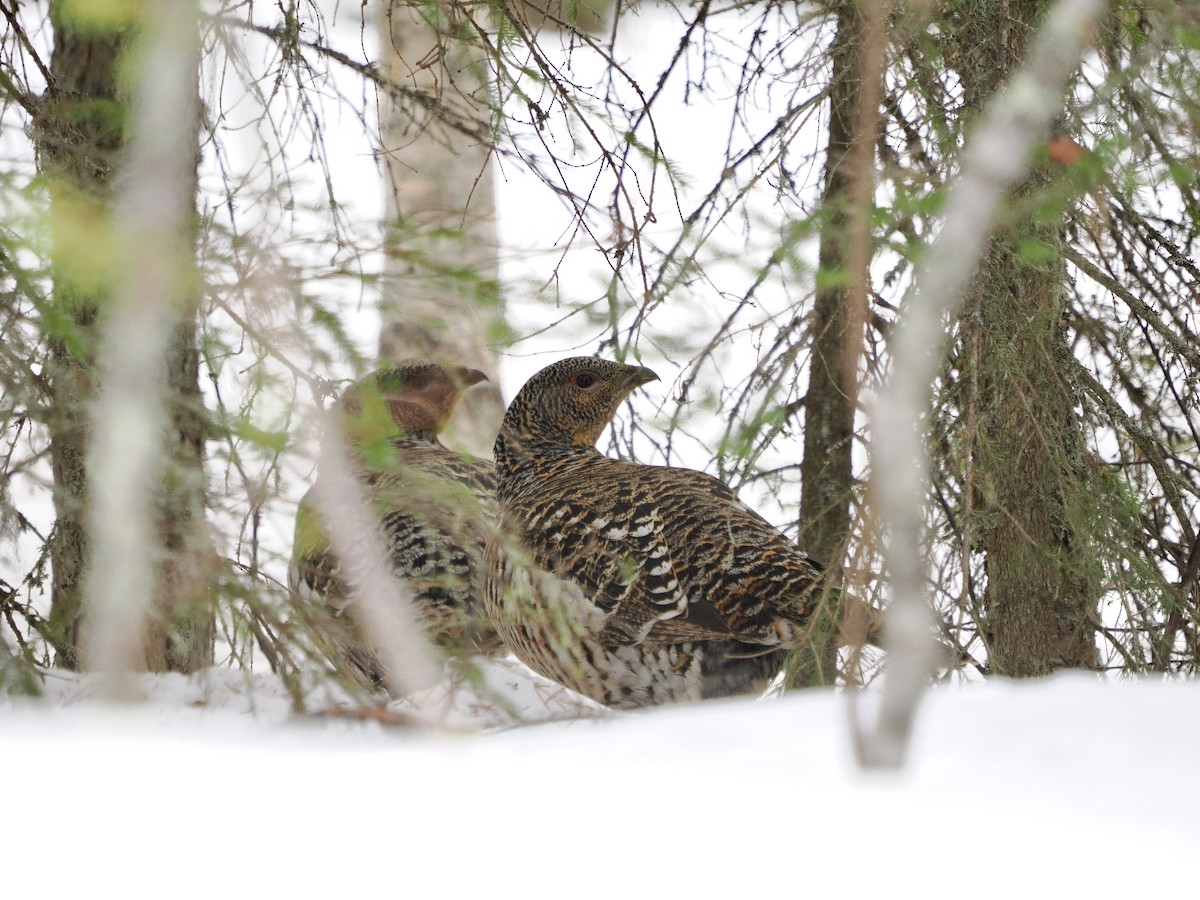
(664,577)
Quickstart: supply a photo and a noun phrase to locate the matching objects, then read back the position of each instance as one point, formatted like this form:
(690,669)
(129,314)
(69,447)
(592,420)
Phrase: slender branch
(1145,443)
(22,97)
(1141,309)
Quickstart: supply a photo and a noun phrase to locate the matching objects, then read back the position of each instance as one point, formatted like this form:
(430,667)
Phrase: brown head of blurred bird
(432,506)
(632,584)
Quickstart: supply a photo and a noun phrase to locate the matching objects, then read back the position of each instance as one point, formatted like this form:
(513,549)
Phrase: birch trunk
(441,289)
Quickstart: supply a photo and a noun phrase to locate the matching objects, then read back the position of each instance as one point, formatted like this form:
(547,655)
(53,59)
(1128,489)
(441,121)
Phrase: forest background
(739,196)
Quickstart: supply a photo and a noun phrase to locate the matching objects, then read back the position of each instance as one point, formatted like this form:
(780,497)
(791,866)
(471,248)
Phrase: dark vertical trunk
(81,129)
(182,629)
(1040,602)
(829,406)
(825,468)
(80,134)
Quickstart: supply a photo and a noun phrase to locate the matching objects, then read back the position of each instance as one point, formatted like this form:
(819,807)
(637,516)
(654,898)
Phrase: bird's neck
(385,453)
(524,456)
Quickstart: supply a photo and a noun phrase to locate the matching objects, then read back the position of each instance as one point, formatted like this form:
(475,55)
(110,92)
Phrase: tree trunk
(1040,602)
(182,629)
(81,132)
(82,128)
(826,468)
(441,290)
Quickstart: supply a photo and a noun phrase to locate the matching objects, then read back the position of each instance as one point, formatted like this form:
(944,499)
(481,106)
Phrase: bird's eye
(584,379)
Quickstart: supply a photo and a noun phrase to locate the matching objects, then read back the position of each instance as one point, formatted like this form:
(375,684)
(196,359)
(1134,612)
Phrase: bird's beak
(640,375)
(465,377)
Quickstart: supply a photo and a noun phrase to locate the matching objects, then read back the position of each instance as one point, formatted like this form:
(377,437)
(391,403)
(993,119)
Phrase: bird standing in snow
(631,584)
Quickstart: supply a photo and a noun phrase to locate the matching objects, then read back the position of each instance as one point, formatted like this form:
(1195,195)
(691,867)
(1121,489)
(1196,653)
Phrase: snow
(209,786)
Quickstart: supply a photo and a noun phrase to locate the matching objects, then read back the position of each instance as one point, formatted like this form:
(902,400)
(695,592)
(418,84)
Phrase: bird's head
(572,400)
(413,398)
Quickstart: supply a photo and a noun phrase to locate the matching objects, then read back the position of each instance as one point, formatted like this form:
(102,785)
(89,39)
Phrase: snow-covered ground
(210,787)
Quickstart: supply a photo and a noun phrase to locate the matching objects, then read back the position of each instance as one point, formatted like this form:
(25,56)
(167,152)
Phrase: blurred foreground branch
(382,603)
(154,227)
